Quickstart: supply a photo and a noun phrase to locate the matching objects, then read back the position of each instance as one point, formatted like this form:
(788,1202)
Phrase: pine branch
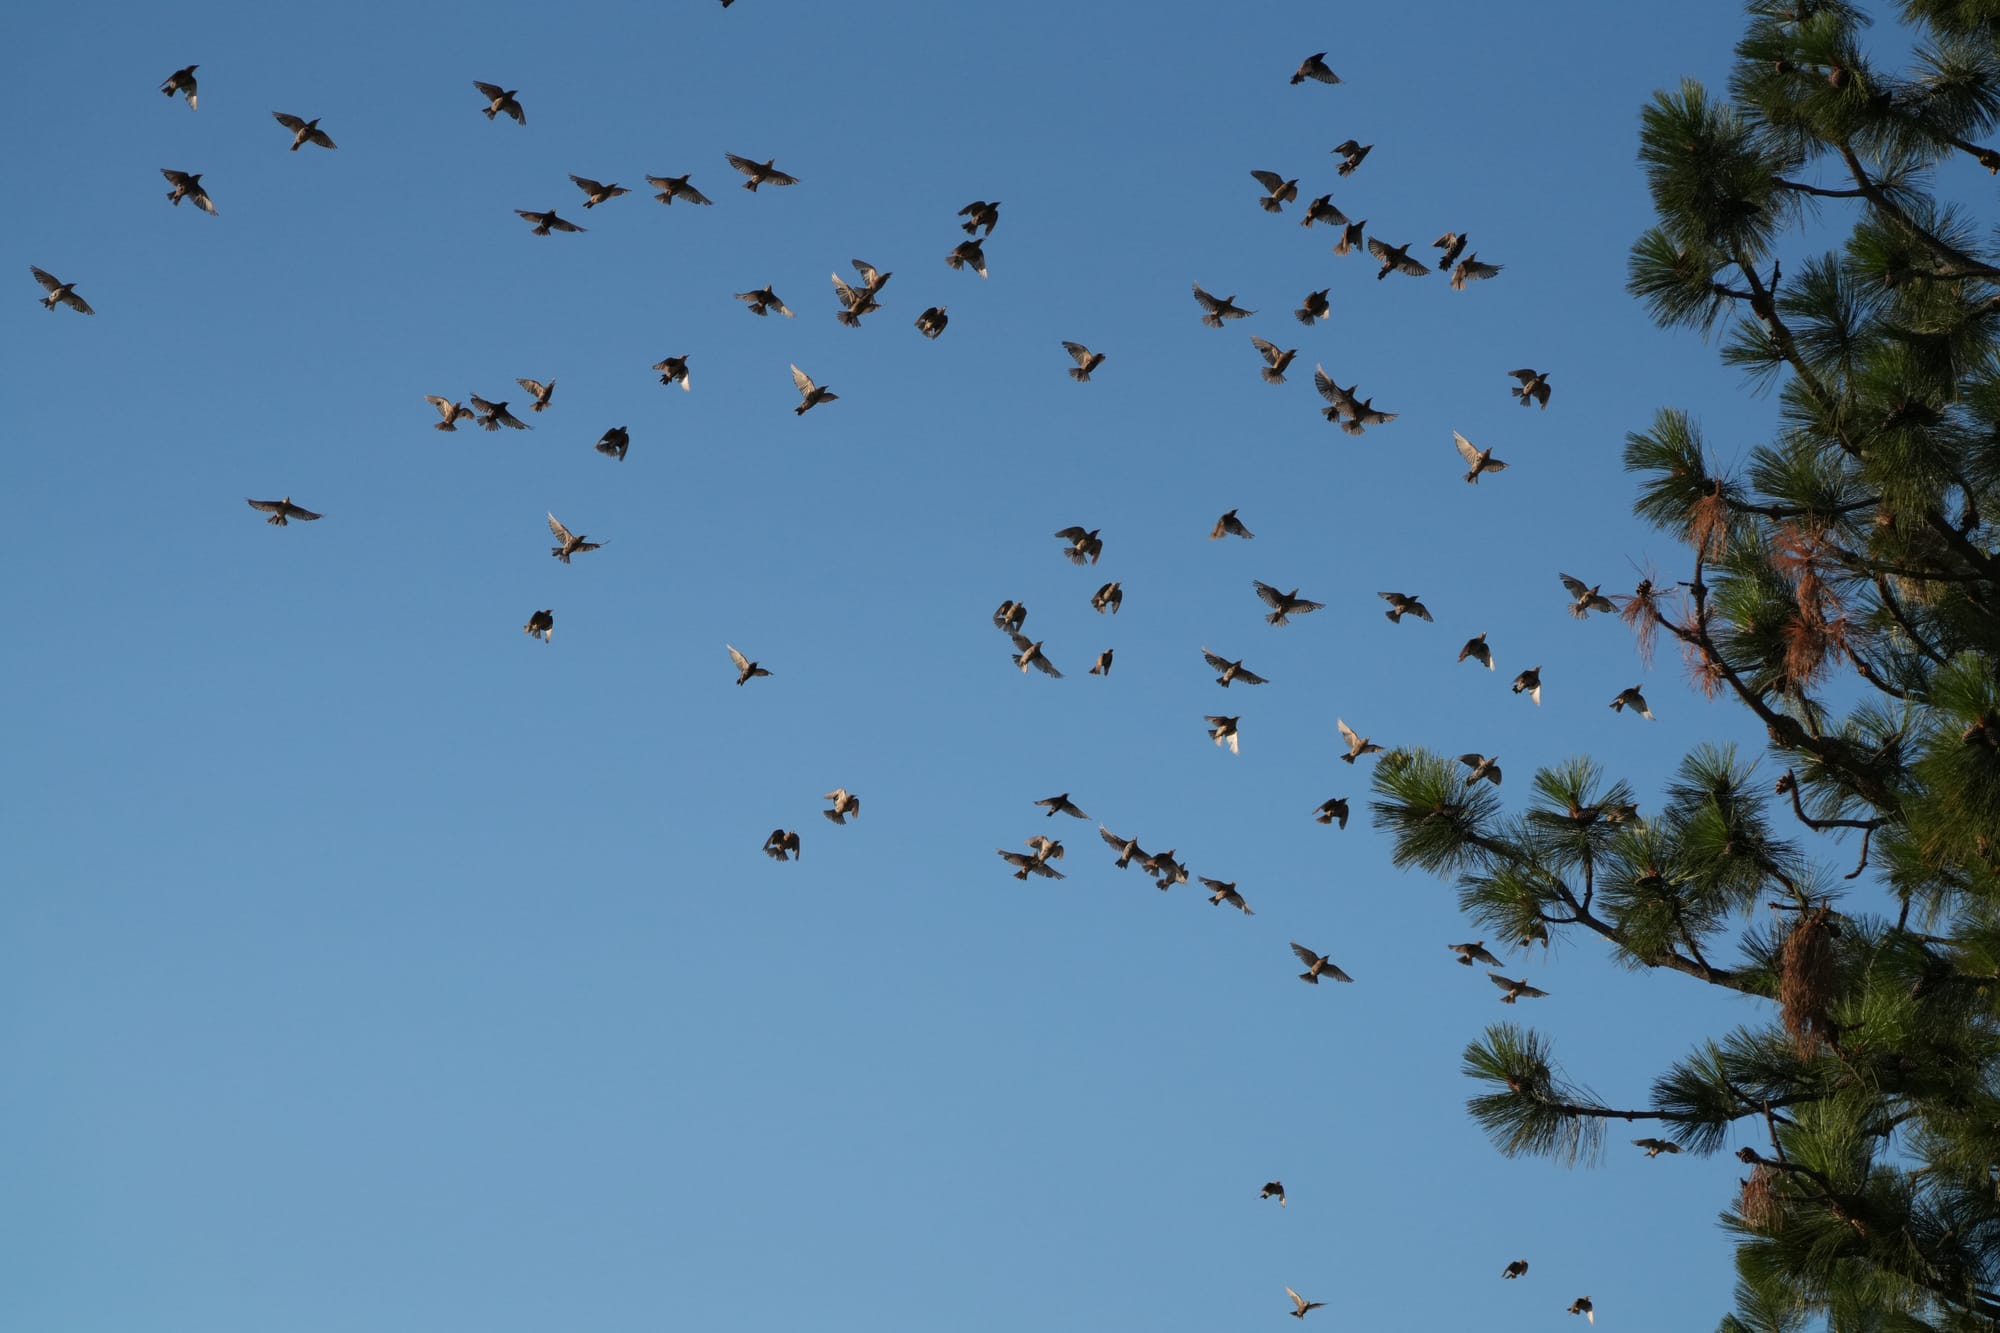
(1881,200)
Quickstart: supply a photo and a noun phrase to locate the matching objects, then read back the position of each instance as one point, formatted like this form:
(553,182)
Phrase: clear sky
(365,964)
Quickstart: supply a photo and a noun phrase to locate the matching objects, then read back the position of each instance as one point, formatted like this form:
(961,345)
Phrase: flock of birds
(1081,546)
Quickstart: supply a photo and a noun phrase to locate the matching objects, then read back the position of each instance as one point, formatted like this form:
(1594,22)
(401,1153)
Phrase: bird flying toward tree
(1484,768)
(1475,952)
(1331,811)
(1529,682)
(1633,700)
(1515,990)
(1654,1147)
(1587,599)
(1357,745)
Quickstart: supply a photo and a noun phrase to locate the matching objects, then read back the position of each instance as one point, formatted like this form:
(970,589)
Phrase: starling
(182,81)
(500,100)
(1471,270)
(1164,869)
(1314,307)
(1231,526)
(1483,766)
(967,254)
(1273,1189)
(1581,1305)
(1356,745)
(1654,1147)
(760,173)
(1317,966)
(1029,654)
(1302,1303)
(282,511)
(568,545)
(1587,599)
(1314,67)
(1352,154)
(1477,460)
(1275,360)
(1515,1269)
(676,187)
(1396,258)
(1331,811)
(673,369)
(1476,649)
(540,392)
(1045,848)
(1222,730)
(1360,413)
(1218,309)
(1475,952)
(614,443)
(1086,361)
(1403,604)
(303,131)
(1024,865)
(764,299)
(541,625)
(781,842)
(1284,604)
(1515,989)
(854,301)
(845,803)
(1530,682)
(1010,617)
(451,412)
(931,323)
(1231,671)
(1534,384)
(1453,245)
(1351,237)
(492,416)
(1102,667)
(979,214)
(60,292)
(596,192)
(1062,805)
(810,394)
(187,185)
(745,668)
(547,222)
(1127,848)
(1082,545)
(1277,190)
(1224,891)
(1633,700)
(1108,598)
(1322,210)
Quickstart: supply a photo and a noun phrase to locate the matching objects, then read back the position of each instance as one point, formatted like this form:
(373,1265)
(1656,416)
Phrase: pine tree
(1843,586)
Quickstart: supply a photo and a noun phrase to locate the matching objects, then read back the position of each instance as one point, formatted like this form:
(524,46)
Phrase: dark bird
(1403,604)
(845,803)
(1453,245)
(1218,308)
(539,391)
(745,668)
(1475,952)
(182,81)
(1476,649)
(1086,361)
(1581,1305)
(1351,237)
(1029,654)
(596,192)
(1483,766)
(1108,598)
(1314,307)
(1103,665)
(1232,672)
(675,369)
(810,394)
(1284,604)
(1530,683)
(1229,526)
(1302,1303)
(1314,67)
(1082,545)
(1164,869)
(282,512)
(1025,865)
(547,222)
(676,187)
(614,443)
(1224,891)
(1275,360)
(854,301)
(1127,848)
(1471,270)
(492,416)
(499,100)
(931,323)
(1317,966)
(760,173)
(763,300)
(1277,190)
(1477,460)
(1633,700)
(1352,154)
(567,544)
(1534,384)
(1356,745)
(1515,990)
(187,185)
(450,411)
(1588,599)
(1515,1269)
(1273,1189)
(1654,1147)
(1396,258)
(59,292)
(1045,848)
(1322,210)
(303,131)
(781,842)
(1360,413)
(1332,810)
(541,625)
(1222,730)
(1010,617)
(967,254)
(979,214)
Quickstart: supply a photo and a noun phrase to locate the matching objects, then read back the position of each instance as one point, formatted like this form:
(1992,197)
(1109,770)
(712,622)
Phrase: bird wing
(1306,956)
(1270,180)
(744,164)
(869,274)
(1299,606)
(562,533)
(49,281)
(559,224)
(1215,660)
(1248,677)
(1503,983)
(1081,355)
(1472,760)
(1271,352)
(533,387)
(1380,250)
(1272,597)
(587,185)
(1465,449)
(1531,992)
(1208,303)
(803,380)
(290,122)
(1415,268)
(1022,643)
(742,662)
(779,178)
(78,304)
(1576,587)
(1347,733)
(693,196)
(1525,376)
(1073,533)
(493,91)
(1047,667)
(303,515)
(848,296)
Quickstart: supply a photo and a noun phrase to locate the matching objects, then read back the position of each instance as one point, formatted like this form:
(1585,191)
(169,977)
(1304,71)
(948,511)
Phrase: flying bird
(1222,730)
(182,81)
(810,394)
(539,391)
(1010,617)
(979,214)
(596,192)
(1219,308)
(1360,413)
(1229,526)
(1322,210)
(1356,745)
(1352,154)
(1317,966)
(1332,810)
(676,187)
(1396,258)
(1086,361)
(1453,245)
(845,803)
(1108,598)
(760,173)
(1581,1305)
(1654,1147)
(614,443)
(1314,67)
(967,254)
(1164,869)
(303,131)
(1529,682)
(1224,891)
(1477,460)
(854,301)
(1633,700)
(1127,848)
(1352,237)
(1102,667)
(450,411)
(1314,307)
(1273,1189)
(282,512)
(1029,654)
(541,625)
(1275,360)
(1025,865)
(1515,990)
(1588,599)
(1044,848)
(1403,604)
(675,368)
(1476,649)
(1302,1303)
(1475,952)
(492,416)
(499,100)
(764,299)
(1471,270)
(59,292)
(1232,672)
(931,323)
(1534,384)
(1284,604)
(1515,1269)
(1061,805)
(1277,190)
(187,185)
(745,668)
(781,842)
(547,222)
(1483,766)
(568,545)
(1082,545)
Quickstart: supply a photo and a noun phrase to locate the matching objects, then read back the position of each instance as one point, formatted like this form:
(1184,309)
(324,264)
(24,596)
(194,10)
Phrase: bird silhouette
(1284,605)
(187,185)
(1275,360)
(538,391)
(596,192)
(450,411)
(1317,966)
(501,101)
(1515,990)
(1357,745)
(1086,361)
(760,173)
(541,625)
(1633,700)
(676,187)
(1332,810)
(1277,190)
(303,131)
(810,395)
(183,81)
(1314,67)
(1534,385)
(1232,672)
(1477,460)
(1229,526)
(1219,308)
(59,292)
(548,222)
(845,803)
(282,511)
(568,544)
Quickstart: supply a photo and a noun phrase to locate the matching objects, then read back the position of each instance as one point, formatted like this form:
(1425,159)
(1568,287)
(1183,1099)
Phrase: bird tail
(1304,317)
(1507,999)
(849,319)
(1213,321)
(1272,205)
(1272,376)
(489,113)
(972,229)
(1308,976)
(538,407)
(1080,375)
(953,262)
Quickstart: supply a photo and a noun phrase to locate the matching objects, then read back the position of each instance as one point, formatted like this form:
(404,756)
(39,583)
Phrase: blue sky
(368,964)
